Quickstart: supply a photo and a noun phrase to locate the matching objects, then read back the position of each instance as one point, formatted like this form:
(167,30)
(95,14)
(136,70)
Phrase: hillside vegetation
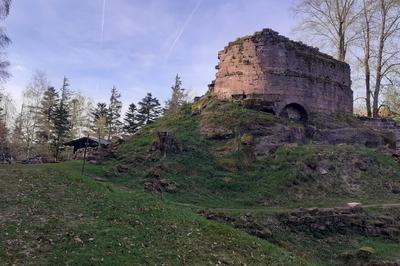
(217,199)
(220,174)
(218,166)
(51,216)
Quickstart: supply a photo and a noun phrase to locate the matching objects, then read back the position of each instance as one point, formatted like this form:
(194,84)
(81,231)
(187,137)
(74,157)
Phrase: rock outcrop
(342,221)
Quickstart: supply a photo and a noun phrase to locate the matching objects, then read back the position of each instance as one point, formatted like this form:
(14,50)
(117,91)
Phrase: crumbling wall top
(260,38)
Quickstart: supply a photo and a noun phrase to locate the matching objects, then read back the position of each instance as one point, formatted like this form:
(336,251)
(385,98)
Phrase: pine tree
(99,120)
(131,123)
(62,125)
(149,110)
(47,114)
(114,113)
(178,97)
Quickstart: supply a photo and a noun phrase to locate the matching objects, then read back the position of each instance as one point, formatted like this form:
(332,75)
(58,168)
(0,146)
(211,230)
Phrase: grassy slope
(50,215)
(55,206)
(210,173)
(325,249)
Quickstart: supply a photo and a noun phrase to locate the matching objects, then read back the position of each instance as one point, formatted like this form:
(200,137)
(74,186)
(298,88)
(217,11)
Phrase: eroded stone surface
(270,72)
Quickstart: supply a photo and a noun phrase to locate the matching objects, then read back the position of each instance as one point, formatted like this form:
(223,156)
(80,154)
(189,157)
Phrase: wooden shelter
(89,142)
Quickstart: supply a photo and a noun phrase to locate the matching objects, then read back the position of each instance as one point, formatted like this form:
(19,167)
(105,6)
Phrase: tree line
(50,117)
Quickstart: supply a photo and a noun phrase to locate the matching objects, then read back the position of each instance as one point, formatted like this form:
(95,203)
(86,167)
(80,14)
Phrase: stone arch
(294,111)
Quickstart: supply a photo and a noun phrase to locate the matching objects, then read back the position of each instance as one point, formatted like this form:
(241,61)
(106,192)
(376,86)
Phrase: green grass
(212,173)
(326,248)
(51,215)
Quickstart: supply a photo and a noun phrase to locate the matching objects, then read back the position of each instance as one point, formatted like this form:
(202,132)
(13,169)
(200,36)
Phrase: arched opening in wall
(295,112)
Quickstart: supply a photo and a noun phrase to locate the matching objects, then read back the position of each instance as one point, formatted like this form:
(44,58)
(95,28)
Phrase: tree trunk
(109,133)
(342,47)
(378,78)
(167,143)
(367,57)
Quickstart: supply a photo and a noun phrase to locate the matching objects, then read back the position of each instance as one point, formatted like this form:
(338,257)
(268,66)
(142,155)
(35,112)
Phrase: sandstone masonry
(272,73)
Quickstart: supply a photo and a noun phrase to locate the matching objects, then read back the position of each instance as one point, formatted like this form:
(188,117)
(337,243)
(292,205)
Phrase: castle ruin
(271,73)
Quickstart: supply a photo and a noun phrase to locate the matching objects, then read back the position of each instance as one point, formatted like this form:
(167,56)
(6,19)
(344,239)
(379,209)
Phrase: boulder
(363,136)
(215,132)
(160,185)
(279,135)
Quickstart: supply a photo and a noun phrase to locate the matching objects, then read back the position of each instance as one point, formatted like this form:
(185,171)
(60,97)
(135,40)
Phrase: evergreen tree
(114,113)
(178,97)
(149,110)
(47,114)
(99,120)
(62,125)
(131,123)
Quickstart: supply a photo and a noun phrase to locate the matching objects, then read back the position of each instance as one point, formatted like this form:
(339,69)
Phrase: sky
(138,46)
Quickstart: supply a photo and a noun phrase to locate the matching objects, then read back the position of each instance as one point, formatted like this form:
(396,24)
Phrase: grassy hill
(217,171)
(223,171)
(50,215)
(226,204)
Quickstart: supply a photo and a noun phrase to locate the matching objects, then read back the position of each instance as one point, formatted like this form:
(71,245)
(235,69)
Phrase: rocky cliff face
(271,71)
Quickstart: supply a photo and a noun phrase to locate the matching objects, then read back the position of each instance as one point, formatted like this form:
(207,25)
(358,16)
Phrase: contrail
(103,20)
(183,28)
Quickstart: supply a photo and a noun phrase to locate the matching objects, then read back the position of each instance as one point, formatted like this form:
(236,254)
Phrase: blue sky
(144,44)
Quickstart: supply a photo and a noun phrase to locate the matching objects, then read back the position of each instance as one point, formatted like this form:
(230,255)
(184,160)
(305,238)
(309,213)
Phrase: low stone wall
(342,220)
(384,125)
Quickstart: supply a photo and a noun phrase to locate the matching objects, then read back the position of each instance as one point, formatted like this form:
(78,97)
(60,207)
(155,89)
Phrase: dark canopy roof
(89,141)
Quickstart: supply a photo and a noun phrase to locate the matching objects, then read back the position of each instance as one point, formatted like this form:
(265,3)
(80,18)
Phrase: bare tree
(371,28)
(388,47)
(329,21)
(391,99)
(80,115)
(9,110)
(30,116)
(366,30)
(3,133)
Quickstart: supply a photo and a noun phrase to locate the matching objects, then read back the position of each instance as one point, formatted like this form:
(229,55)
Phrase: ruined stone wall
(271,68)
(384,125)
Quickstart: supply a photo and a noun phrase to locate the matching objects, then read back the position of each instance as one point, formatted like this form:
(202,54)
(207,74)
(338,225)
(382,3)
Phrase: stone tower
(272,73)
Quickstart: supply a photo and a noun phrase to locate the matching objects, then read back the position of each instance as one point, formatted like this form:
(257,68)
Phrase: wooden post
(84,155)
